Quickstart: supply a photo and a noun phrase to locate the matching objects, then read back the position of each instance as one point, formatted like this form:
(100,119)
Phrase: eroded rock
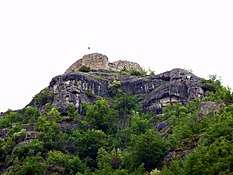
(178,86)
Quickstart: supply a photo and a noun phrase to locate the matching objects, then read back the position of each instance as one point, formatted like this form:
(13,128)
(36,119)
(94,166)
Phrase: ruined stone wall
(98,61)
(119,65)
(94,61)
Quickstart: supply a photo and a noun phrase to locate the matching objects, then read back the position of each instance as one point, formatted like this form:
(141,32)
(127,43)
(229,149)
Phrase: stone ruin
(97,61)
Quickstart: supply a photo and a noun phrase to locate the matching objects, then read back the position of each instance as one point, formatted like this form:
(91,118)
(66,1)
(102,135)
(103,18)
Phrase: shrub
(84,69)
(45,96)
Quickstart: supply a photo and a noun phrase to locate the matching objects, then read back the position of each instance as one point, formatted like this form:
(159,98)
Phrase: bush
(45,96)
(114,87)
(135,72)
(84,69)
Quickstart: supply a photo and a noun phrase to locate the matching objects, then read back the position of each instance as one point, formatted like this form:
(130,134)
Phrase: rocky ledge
(154,92)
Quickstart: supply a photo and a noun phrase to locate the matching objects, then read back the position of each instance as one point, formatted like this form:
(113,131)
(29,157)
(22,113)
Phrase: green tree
(72,111)
(139,125)
(64,163)
(111,161)
(9,118)
(88,144)
(176,167)
(147,149)
(114,87)
(101,116)
(54,114)
(30,149)
(124,104)
(51,134)
(30,114)
(34,165)
(216,158)
(45,96)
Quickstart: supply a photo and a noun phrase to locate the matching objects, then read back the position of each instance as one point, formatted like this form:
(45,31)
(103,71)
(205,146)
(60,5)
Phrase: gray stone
(31,135)
(170,87)
(29,127)
(63,125)
(172,154)
(3,133)
(161,126)
(178,86)
(209,107)
(73,88)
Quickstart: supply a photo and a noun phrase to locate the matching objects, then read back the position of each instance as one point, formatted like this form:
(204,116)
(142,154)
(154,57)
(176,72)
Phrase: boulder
(3,133)
(161,126)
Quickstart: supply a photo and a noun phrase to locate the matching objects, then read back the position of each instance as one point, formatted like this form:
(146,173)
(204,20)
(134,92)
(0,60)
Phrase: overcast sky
(41,39)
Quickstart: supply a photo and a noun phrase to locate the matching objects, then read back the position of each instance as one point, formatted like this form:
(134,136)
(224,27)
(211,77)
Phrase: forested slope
(116,135)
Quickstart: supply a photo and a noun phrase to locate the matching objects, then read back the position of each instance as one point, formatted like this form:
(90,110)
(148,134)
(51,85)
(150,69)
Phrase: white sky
(41,39)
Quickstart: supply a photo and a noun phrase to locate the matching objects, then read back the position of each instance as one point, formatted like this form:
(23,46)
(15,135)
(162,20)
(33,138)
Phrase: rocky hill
(114,118)
(154,91)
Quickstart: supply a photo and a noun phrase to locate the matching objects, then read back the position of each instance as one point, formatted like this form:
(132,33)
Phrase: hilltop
(94,75)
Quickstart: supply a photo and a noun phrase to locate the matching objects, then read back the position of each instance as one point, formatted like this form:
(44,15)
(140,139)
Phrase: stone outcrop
(3,133)
(154,92)
(74,88)
(170,87)
(97,61)
(178,86)
(161,126)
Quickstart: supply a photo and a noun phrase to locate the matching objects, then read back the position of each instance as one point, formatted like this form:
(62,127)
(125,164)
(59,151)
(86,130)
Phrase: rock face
(178,85)
(155,91)
(170,87)
(74,88)
(98,61)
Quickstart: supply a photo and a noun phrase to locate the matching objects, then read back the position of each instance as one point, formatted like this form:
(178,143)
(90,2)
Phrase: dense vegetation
(115,136)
